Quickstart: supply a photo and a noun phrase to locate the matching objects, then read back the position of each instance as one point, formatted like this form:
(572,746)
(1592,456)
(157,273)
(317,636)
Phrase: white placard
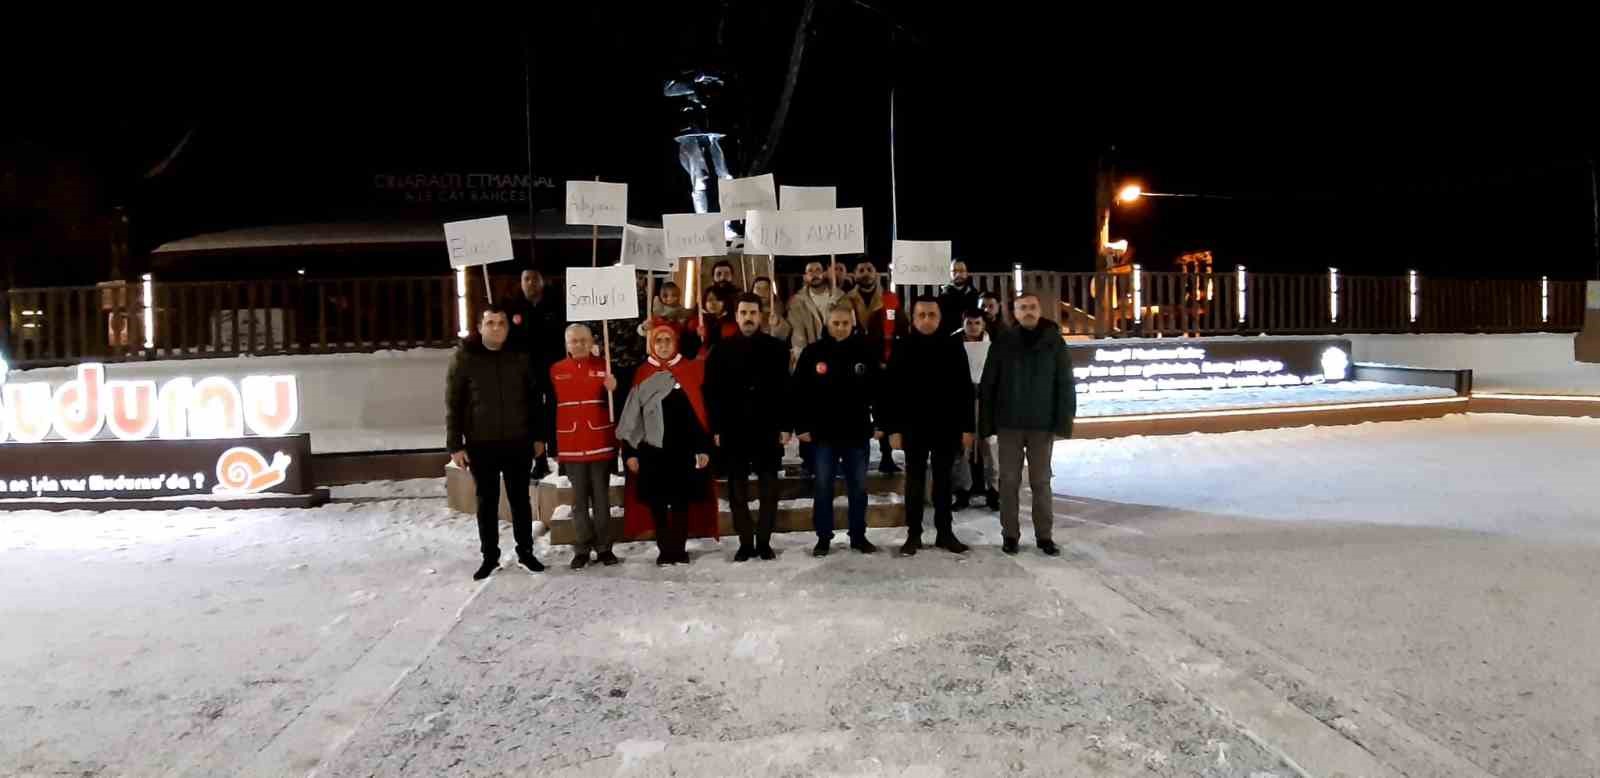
(921,262)
(805,233)
(602,293)
(1593,297)
(597,202)
(757,193)
(478,241)
(646,248)
(807,198)
(695,234)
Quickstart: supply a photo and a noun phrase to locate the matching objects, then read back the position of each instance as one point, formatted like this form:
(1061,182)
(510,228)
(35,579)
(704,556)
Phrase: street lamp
(1129,193)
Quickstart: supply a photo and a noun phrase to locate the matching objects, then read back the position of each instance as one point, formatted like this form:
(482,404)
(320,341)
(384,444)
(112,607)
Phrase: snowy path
(1428,587)
(135,642)
(934,665)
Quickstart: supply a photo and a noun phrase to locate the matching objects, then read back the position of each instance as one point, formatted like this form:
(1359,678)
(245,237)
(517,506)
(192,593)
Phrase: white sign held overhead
(646,248)
(757,193)
(807,198)
(695,234)
(921,262)
(597,202)
(805,233)
(478,241)
(602,293)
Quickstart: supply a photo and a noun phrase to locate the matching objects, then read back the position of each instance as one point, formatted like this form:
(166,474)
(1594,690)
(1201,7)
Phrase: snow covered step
(883,510)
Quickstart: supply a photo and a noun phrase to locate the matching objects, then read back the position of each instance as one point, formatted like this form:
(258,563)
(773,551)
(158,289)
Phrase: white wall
(1523,362)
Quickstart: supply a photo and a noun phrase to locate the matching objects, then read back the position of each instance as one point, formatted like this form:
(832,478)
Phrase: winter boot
(487,569)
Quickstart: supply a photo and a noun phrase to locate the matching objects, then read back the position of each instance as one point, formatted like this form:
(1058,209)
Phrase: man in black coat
(835,388)
(538,328)
(1028,400)
(958,296)
(495,424)
(926,392)
(746,379)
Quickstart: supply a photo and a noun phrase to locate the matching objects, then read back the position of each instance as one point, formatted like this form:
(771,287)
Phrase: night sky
(1340,142)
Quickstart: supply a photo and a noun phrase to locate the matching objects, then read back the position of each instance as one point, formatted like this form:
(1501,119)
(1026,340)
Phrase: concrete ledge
(1536,404)
(359,467)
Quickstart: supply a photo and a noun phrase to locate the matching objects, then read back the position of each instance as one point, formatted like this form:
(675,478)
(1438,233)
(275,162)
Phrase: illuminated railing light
(1412,281)
(1544,299)
(149,312)
(1138,295)
(1333,295)
(1016,275)
(1242,287)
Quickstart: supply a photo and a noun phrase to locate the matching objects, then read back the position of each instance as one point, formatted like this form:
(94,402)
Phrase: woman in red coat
(667,445)
(716,320)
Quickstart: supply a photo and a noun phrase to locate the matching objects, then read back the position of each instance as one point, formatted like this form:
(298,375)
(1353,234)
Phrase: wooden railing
(113,322)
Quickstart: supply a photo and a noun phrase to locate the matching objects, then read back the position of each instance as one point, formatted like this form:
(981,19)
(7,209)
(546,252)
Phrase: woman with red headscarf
(667,447)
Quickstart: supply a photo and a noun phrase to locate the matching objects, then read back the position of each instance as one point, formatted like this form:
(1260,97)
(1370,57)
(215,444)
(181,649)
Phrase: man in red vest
(586,443)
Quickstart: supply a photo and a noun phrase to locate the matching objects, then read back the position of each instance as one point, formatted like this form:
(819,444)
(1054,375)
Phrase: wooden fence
(139,321)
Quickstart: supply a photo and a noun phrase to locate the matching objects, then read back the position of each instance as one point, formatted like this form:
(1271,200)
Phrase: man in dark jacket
(746,377)
(956,298)
(834,388)
(494,426)
(1028,400)
(928,377)
(538,325)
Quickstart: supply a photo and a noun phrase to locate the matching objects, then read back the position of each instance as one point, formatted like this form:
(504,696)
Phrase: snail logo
(242,471)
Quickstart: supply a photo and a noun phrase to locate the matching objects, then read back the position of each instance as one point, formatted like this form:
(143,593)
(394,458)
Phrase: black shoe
(662,560)
(887,466)
(487,569)
(863,545)
(530,563)
(993,500)
(912,545)
(682,558)
(949,543)
(962,502)
(743,554)
(580,561)
(1009,545)
(821,548)
(1049,548)
(764,551)
(608,559)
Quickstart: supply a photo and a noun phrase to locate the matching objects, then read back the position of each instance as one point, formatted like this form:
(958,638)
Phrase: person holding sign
(926,378)
(808,309)
(722,283)
(876,311)
(994,318)
(667,447)
(957,297)
(494,427)
(716,320)
(536,330)
(746,378)
(586,443)
(773,321)
(1027,399)
(835,389)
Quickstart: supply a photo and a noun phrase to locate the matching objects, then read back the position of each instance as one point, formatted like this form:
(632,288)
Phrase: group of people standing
(966,395)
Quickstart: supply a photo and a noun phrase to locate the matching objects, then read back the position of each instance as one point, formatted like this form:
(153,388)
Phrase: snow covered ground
(1523,475)
(349,638)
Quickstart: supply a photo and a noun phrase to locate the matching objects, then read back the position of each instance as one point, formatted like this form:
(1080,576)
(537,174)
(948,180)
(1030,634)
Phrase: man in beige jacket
(808,308)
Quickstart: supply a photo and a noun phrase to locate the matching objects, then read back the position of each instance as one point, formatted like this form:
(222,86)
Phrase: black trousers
(489,462)
(942,450)
(738,463)
(672,526)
